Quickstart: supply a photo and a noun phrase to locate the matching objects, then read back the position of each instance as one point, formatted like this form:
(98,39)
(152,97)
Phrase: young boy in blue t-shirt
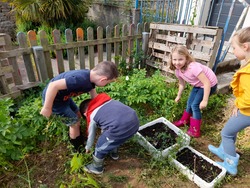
(57,96)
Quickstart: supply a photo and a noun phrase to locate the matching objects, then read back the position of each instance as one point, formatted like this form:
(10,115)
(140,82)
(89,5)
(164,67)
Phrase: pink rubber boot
(194,129)
(184,119)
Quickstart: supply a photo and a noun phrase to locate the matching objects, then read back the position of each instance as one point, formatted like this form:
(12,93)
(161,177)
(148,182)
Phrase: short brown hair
(83,106)
(108,69)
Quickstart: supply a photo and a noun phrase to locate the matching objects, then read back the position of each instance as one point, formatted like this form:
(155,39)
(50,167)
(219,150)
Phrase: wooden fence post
(100,47)
(59,53)
(91,54)
(145,40)
(131,44)
(22,41)
(70,51)
(81,53)
(40,63)
(138,43)
(116,44)
(12,60)
(124,42)
(108,45)
(45,43)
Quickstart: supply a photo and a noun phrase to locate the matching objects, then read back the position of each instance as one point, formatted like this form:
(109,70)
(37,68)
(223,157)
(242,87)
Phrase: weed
(118,179)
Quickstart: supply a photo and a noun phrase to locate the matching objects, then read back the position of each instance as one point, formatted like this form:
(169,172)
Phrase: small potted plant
(200,169)
(160,136)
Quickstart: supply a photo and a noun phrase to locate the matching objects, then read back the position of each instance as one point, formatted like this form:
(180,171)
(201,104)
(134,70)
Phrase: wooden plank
(12,61)
(159,55)
(59,53)
(173,39)
(4,86)
(184,28)
(14,53)
(124,42)
(40,63)
(13,94)
(131,45)
(81,53)
(70,51)
(217,40)
(45,43)
(138,46)
(200,55)
(108,45)
(100,46)
(32,38)
(29,85)
(22,41)
(116,44)
(6,69)
(205,43)
(145,49)
(159,46)
(91,53)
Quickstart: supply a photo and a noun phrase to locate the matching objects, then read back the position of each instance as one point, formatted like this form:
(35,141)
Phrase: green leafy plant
(150,96)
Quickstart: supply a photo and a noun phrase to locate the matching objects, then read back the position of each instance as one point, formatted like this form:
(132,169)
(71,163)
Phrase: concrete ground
(225,71)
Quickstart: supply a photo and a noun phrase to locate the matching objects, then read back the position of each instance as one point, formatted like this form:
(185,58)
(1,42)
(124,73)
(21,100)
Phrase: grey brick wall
(7,20)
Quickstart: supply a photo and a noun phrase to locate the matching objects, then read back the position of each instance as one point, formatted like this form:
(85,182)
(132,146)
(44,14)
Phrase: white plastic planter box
(195,177)
(158,153)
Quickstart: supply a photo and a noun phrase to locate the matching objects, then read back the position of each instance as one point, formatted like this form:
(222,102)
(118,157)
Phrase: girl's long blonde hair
(182,50)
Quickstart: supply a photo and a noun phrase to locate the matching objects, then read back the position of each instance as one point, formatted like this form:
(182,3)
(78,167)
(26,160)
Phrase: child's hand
(177,99)
(87,151)
(203,104)
(46,112)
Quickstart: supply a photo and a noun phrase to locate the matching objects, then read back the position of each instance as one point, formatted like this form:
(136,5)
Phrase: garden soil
(132,170)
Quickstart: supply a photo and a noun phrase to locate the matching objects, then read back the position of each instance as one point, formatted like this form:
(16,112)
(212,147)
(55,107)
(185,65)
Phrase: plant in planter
(197,167)
(160,136)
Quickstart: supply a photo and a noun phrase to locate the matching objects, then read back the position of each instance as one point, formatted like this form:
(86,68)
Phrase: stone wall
(7,20)
(108,15)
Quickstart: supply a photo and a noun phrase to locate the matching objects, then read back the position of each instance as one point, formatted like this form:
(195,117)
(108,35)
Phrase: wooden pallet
(7,86)
(202,42)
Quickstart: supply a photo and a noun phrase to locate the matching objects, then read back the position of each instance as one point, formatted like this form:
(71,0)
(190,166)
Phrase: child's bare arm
(93,93)
(207,87)
(180,90)
(51,92)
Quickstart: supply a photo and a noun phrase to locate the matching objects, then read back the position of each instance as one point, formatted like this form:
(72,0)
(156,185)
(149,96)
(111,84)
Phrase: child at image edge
(57,95)
(204,83)
(240,117)
(117,121)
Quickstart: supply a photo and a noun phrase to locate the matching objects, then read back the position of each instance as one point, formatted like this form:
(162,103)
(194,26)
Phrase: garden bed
(197,167)
(160,136)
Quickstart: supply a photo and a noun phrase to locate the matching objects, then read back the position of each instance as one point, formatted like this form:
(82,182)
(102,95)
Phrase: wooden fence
(31,62)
